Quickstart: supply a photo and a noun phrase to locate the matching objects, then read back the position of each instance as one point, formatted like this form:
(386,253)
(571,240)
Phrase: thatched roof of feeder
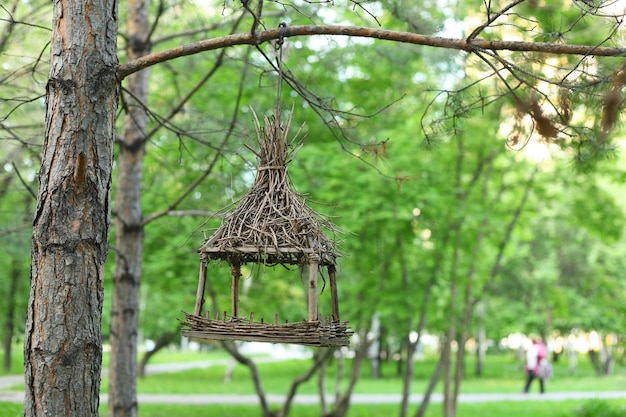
(272,224)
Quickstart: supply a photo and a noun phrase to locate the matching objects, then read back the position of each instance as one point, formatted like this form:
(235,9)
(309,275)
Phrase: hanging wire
(279,49)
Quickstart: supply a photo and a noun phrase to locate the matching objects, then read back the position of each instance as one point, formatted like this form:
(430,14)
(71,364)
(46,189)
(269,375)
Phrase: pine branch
(467,45)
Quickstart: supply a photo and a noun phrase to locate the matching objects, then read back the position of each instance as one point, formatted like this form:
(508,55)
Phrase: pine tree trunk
(129,228)
(63,348)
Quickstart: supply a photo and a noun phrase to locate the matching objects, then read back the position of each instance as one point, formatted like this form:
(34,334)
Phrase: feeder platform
(309,333)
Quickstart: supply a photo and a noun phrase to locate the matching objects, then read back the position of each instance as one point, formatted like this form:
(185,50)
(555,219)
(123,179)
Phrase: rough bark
(129,227)
(62,349)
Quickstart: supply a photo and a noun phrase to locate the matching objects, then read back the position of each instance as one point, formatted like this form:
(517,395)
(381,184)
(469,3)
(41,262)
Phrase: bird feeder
(271,225)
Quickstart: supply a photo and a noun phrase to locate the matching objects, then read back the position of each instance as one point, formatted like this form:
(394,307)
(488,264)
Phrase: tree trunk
(129,228)
(63,348)
(421,325)
(319,361)
(446,363)
(163,341)
(411,346)
(9,326)
(342,402)
(481,339)
(451,334)
(434,378)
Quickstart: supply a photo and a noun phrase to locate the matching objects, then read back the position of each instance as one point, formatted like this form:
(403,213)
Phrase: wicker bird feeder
(271,225)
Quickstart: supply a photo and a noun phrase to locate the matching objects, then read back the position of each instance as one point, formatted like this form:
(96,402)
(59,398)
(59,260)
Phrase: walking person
(535,356)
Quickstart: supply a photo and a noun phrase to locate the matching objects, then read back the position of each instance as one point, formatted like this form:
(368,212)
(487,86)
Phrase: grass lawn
(501,409)
(501,375)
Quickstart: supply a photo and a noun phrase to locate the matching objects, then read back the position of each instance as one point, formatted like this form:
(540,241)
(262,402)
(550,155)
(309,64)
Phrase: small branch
(155,24)
(492,19)
(363,32)
(184,213)
(16,229)
(198,180)
(24,22)
(183,195)
(24,183)
(256,15)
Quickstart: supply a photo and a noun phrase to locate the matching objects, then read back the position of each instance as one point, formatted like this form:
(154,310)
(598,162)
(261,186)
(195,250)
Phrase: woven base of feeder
(309,333)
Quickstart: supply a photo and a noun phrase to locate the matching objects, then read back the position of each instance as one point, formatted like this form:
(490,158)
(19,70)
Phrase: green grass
(501,375)
(499,409)
(11,410)
(504,408)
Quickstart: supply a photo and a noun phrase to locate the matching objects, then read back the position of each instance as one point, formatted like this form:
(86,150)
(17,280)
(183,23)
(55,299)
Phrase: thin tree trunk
(451,333)
(231,348)
(9,325)
(321,387)
(480,340)
(163,341)
(318,363)
(129,228)
(446,363)
(411,346)
(408,376)
(469,303)
(342,403)
(434,378)
(63,348)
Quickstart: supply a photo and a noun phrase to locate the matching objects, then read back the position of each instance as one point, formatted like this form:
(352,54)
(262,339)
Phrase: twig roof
(272,224)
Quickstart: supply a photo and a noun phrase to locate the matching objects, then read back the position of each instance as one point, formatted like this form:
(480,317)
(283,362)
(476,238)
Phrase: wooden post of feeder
(235,271)
(333,292)
(201,285)
(313,268)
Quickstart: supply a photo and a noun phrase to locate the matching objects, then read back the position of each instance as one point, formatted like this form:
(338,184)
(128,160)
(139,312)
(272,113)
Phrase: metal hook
(282,26)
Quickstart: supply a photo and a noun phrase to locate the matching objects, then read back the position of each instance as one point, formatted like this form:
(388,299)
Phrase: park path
(307,399)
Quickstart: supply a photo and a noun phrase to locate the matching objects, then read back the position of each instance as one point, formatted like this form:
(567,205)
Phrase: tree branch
(364,32)
(492,19)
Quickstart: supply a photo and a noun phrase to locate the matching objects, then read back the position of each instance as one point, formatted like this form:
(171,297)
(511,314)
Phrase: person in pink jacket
(535,353)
